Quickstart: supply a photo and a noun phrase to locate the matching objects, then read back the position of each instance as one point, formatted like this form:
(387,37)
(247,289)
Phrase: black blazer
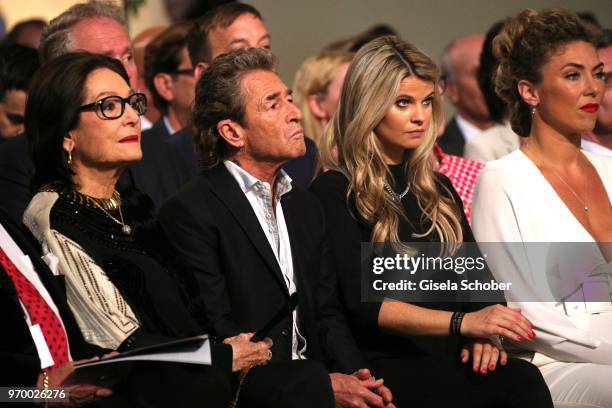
(157,174)
(452,140)
(212,225)
(18,353)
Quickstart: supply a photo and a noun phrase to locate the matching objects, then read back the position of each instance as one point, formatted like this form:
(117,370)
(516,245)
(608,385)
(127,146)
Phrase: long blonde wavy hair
(351,146)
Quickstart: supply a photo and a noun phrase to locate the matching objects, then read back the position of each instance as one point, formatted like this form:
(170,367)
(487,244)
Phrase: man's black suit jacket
(18,355)
(452,141)
(212,225)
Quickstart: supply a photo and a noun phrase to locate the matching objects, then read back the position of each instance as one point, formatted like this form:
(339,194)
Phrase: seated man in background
(26,33)
(252,239)
(17,65)
(169,75)
(459,67)
(140,42)
(226,28)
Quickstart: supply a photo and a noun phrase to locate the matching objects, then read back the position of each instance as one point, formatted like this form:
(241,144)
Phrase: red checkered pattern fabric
(462,174)
(39,311)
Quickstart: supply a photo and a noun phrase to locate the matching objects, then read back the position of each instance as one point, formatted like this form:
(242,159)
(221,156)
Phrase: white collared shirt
(272,221)
(468,130)
(168,126)
(145,123)
(24,265)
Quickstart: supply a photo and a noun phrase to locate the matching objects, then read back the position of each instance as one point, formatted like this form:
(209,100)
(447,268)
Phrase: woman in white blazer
(530,204)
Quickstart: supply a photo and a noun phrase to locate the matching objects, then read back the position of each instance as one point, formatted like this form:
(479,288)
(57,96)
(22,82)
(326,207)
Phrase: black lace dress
(134,264)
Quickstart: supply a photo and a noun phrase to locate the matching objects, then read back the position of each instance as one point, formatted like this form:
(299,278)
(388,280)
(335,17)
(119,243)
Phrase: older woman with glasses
(83,126)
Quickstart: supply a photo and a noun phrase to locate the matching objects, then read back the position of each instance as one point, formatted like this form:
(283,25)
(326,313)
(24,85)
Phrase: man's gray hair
(56,40)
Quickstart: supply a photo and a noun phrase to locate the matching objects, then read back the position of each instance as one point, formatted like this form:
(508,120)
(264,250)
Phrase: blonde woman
(381,188)
(316,89)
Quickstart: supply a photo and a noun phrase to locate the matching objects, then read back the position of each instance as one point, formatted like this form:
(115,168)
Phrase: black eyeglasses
(112,107)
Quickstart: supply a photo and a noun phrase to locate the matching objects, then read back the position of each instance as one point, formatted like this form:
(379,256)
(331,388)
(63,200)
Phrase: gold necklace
(106,205)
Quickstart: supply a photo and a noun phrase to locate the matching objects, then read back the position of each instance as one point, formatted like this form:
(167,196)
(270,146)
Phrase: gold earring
(533,110)
(70,157)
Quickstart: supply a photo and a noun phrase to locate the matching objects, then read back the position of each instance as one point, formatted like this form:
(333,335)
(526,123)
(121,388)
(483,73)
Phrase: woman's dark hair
(56,93)
(524,45)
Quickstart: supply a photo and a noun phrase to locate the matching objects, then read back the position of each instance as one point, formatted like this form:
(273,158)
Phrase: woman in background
(381,189)
(552,193)
(316,90)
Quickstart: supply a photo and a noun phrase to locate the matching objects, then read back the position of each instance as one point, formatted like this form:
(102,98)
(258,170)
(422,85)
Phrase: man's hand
(352,392)
(78,394)
(485,355)
(376,385)
(246,353)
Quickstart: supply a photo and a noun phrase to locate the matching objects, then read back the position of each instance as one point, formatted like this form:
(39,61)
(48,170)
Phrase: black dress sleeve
(346,235)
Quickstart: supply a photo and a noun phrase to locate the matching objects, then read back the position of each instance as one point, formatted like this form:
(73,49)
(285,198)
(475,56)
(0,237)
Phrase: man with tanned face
(600,139)
(459,68)
(252,241)
(226,28)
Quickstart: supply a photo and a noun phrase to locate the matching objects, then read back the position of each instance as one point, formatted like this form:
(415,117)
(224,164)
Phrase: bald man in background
(460,62)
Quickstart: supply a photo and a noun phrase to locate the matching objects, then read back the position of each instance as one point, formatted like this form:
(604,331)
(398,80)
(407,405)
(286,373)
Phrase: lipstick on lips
(129,139)
(590,107)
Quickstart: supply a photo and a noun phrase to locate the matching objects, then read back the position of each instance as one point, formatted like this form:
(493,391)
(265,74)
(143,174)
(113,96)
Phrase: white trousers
(583,385)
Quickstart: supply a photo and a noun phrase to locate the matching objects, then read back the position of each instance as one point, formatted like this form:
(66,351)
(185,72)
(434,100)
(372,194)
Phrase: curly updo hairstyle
(524,45)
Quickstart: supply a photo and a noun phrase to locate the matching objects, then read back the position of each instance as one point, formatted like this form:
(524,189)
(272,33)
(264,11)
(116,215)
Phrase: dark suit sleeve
(16,171)
(19,370)
(345,238)
(196,242)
